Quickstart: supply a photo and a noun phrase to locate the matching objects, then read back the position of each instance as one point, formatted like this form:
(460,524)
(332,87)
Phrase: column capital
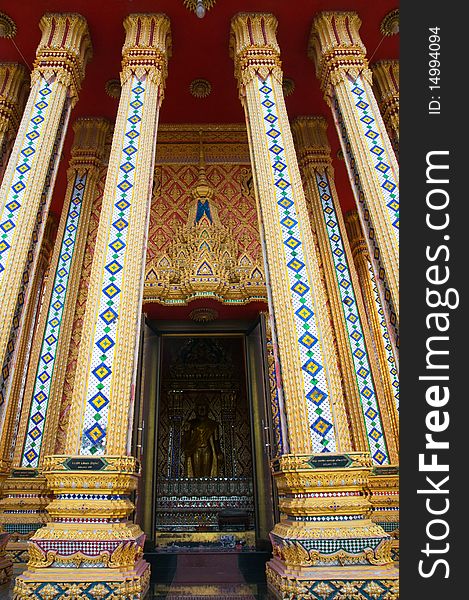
(89,143)
(311,143)
(336,48)
(14,80)
(355,233)
(386,84)
(147,46)
(64,50)
(386,77)
(254,47)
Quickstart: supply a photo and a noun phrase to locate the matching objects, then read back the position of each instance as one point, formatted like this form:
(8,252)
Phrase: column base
(384,487)
(23,510)
(286,583)
(92,583)
(6,568)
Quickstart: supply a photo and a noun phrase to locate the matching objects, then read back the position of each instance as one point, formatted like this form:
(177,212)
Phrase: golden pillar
(29,178)
(321,482)
(342,69)
(386,85)
(96,549)
(385,483)
(13,93)
(38,422)
(364,394)
(17,389)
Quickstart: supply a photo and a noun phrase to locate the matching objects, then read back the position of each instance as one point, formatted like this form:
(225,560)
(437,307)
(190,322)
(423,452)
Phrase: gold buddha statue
(201,444)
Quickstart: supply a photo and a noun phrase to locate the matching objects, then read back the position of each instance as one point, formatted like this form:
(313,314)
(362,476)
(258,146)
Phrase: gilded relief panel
(232,196)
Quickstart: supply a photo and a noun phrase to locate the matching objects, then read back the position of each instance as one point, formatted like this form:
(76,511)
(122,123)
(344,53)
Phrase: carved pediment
(203,258)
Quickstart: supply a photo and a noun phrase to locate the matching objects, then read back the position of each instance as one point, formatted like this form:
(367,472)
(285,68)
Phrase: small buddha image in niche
(201,444)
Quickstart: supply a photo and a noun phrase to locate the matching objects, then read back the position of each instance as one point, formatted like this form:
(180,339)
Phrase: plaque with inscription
(327,461)
(85,463)
(386,470)
(24,473)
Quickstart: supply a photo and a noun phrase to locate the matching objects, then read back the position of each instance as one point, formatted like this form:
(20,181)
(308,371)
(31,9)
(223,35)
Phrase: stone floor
(202,576)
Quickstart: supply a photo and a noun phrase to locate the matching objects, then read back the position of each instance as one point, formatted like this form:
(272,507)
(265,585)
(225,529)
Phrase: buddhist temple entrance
(202,437)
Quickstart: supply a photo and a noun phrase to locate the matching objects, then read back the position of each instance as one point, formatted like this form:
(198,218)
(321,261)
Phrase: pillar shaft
(101,414)
(342,69)
(29,178)
(13,94)
(9,521)
(304,345)
(45,378)
(386,85)
(47,372)
(321,483)
(360,373)
(376,322)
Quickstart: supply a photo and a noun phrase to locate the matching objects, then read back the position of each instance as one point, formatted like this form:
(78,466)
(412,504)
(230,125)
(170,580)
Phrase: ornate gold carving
(113,88)
(225,246)
(336,48)
(7,26)
(14,85)
(200,88)
(288,86)
(386,78)
(133,584)
(64,50)
(147,48)
(203,315)
(294,554)
(390,23)
(294,586)
(124,556)
(192,4)
(254,48)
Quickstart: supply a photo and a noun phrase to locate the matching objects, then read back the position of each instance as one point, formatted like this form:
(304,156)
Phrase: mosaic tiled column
(386,86)
(97,550)
(14,84)
(321,482)
(360,373)
(342,69)
(29,178)
(23,507)
(17,387)
(384,483)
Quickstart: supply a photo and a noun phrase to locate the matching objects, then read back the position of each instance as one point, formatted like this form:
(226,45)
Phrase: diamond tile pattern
(390,362)
(379,158)
(365,383)
(51,335)
(26,158)
(316,388)
(100,377)
(375,253)
(13,206)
